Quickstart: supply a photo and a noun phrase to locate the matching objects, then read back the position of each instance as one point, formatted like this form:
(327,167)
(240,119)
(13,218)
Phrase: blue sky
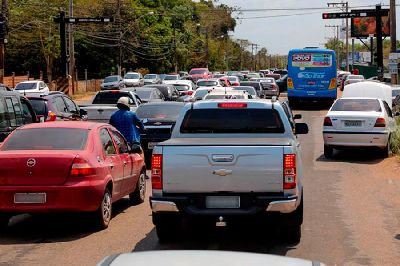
(280,34)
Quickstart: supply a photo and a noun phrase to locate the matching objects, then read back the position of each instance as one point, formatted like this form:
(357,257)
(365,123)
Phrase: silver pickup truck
(229,161)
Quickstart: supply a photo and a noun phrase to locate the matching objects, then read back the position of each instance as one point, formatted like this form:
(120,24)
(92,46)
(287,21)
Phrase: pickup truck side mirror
(135,148)
(297,116)
(301,128)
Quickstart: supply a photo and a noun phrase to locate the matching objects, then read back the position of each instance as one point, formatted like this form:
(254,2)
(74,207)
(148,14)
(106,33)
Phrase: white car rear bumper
(356,139)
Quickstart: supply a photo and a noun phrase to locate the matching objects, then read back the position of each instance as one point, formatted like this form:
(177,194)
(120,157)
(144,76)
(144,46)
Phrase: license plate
(223,202)
(352,123)
(30,198)
(151,145)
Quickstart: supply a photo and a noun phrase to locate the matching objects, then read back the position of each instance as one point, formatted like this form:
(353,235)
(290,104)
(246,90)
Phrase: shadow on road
(355,155)
(53,227)
(247,240)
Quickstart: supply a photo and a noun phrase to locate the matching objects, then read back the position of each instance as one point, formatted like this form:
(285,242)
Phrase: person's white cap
(124,101)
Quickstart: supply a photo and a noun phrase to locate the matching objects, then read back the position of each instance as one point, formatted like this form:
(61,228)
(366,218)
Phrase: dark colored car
(114,82)
(149,94)
(169,91)
(159,120)
(282,83)
(15,111)
(255,84)
(56,106)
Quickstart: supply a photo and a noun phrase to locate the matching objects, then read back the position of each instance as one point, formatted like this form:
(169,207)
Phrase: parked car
(151,79)
(225,82)
(56,106)
(269,87)
(249,89)
(255,84)
(274,75)
(350,79)
(148,94)
(68,167)
(358,122)
(183,74)
(234,80)
(169,91)
(133,79)
(104,104)
(200,73)
(281,72)
(340,76)
(226,94)
(114,82)
(209,83)
(15,111)
(170,79)
(282,83)
(202,257)
(224,141)
(158,119)
(32,86)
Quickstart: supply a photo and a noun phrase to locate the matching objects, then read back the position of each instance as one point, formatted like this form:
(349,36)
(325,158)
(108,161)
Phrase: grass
(80,96)
(395,144)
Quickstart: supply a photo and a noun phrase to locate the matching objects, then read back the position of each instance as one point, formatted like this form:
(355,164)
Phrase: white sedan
(358,122)
(32,86)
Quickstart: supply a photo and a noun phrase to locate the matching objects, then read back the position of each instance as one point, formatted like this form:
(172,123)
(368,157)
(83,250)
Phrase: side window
(138,100)
(106,141)
(3,115)
(155,95)
(387,108)
(121,142)
(11,113)
(60,104)
(27,112)
(71,105)
(18,111)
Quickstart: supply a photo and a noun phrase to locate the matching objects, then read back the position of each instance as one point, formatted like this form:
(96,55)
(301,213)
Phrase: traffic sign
(355,14)
(73,20)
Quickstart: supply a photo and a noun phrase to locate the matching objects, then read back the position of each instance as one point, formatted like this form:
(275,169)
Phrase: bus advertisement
(311,75)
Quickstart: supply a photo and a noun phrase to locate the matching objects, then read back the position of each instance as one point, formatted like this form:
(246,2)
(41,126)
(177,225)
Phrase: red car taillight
(156,171)
(380,122)
(51,116)
(81,167)
(289,171)
(327,122)
(189,93)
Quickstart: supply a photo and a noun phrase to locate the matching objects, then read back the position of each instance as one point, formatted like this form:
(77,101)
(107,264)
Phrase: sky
(280,34)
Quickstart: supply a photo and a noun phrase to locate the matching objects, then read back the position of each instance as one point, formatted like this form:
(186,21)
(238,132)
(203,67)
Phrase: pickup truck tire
(102,216)
(328,151)
(167,227)
(138,196)
(4,220)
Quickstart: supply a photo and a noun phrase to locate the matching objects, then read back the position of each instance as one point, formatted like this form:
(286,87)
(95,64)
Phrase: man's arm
(137,122)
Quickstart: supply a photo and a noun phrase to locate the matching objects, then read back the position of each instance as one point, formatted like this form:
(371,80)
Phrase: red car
(68,167)
(199,73)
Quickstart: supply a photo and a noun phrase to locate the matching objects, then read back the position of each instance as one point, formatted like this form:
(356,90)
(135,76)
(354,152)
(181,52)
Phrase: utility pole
(175,54)
(71,49)
(63,43)
(379,42)
(336,38)
(344,7)
(119,70)
(207,52)
(393,37)
(3,34)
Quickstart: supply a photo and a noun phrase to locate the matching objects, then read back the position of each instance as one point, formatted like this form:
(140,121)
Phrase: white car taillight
(156,171)
(289,171)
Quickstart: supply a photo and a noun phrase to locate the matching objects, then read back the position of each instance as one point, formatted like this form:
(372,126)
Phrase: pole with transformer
(393,38)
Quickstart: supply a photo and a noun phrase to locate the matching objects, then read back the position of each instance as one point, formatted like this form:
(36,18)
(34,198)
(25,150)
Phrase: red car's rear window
(47,139)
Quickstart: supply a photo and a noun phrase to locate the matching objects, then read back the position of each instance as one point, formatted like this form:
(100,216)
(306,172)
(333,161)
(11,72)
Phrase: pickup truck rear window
(232,121)
(109,97)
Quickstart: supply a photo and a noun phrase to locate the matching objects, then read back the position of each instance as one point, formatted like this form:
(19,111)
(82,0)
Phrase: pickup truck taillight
(289,171)
(156,171)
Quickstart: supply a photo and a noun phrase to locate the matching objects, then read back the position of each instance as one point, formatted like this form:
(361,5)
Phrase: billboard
(366,26)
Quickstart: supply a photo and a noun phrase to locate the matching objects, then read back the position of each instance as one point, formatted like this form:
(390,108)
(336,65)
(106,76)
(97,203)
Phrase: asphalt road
(352,217)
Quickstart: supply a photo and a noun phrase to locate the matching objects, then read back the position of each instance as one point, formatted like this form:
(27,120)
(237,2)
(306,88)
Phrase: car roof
(65,124)
(142,89)
(30,81)
(162,103)
(8,93)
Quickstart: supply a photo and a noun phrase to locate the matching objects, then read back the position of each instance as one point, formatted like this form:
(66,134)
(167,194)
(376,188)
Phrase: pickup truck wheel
(104,212)
(4,220)
(328,151)
(138,196)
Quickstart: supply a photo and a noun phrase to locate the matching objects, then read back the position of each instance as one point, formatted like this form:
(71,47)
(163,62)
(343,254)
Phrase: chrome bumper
(163,206)
(283,206)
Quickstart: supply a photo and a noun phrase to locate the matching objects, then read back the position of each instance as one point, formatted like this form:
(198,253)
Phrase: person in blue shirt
(127,122)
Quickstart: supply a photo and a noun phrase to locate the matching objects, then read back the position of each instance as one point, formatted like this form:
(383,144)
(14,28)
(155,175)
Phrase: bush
(395,144)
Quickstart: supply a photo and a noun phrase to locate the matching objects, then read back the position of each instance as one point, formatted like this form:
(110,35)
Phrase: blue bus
(311,75)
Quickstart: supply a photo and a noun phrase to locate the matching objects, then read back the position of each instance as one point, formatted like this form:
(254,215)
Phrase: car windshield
(248,89)
(26,86)
(171,77)
(111,79)
(200,93)
(223,96)
(39,106)
(109,97)
(197,72)
(240,120)
(207,83)
(356,77)
(150,76)
(182,87)
(132,76)
(255,85)
(357,105)
(143,94)
(166,112)
(47,139)
(234,79)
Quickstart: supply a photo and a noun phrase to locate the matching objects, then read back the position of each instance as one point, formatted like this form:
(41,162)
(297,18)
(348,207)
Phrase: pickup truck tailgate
(222,169)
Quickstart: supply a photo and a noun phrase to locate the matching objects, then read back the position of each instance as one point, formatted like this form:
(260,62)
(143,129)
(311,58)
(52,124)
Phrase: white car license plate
(352,123)
(151,145)
(223,202)
(30,198)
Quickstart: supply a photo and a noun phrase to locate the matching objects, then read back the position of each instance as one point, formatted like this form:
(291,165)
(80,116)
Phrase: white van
(369,89)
